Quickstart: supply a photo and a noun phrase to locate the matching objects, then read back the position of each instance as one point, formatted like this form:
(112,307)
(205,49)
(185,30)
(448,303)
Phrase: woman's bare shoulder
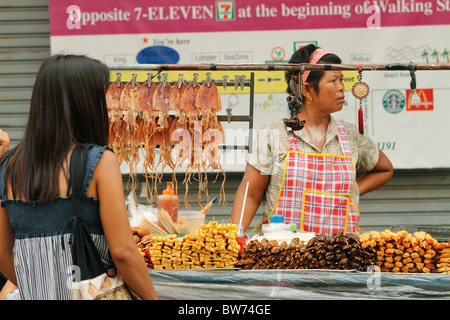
(108,163)
(109,156)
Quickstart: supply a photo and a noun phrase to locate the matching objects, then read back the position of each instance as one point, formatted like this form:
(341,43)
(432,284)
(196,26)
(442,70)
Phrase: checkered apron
(316,189)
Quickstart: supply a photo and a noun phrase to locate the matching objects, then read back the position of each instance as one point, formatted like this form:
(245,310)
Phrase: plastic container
(276,225)
(280,231)
(170,202)
(194,220)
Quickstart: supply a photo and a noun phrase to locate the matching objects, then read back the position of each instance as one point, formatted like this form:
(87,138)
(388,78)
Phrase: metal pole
(251,107)
(282,67)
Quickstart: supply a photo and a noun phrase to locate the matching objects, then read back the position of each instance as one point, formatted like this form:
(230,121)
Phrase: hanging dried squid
(161,108)
(188,146)
(209,103)
(180,120)
(144,105)
(161,102)
(130,127)
(179,134)
(115,115)
(139,117)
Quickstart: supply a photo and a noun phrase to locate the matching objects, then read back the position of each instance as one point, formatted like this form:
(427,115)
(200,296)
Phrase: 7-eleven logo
(224,10)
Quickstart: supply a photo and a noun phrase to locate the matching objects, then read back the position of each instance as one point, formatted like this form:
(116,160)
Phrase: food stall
(373,265)
(215,260)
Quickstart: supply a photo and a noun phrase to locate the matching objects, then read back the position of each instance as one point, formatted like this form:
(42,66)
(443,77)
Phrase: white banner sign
(360,32)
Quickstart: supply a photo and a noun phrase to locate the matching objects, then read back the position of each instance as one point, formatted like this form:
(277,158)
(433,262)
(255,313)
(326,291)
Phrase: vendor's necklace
(360,90)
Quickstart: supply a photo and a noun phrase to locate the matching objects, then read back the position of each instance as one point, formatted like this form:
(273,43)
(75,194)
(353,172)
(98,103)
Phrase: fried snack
(405,252)
(442,258)
(338,251)
(213,246)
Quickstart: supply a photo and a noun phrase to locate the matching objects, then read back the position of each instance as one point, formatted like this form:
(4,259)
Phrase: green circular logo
(393,101)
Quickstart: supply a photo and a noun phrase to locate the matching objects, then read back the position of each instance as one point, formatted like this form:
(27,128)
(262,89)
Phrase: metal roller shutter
(411,198)
(24,44)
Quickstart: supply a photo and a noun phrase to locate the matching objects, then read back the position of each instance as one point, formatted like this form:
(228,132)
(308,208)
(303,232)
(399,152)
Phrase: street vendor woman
(305,167)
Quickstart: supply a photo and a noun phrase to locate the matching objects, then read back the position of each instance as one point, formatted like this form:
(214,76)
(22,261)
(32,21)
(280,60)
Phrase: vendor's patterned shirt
(271,145)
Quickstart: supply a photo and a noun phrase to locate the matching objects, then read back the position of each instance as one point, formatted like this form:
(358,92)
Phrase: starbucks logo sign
(393,101)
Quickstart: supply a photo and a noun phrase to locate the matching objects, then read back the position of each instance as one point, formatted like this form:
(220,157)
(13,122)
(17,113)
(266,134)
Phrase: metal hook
(133,79)
(236,82)
(180,80)
(228,110)
(118,75)
(194,81)
(164,78)
(149,78)
(225,79)
(208,79)
(242,80)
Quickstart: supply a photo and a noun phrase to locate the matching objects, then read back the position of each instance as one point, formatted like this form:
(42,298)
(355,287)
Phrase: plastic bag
(136,211)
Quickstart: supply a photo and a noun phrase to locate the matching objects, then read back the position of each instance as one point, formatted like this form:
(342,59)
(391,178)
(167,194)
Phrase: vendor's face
(331,96)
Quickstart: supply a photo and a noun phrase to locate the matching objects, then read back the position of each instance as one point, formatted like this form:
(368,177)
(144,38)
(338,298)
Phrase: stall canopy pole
(282,66)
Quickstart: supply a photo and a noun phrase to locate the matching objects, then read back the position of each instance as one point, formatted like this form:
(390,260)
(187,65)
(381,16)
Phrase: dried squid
(161,102)
(144,105)
(186,134)
(161,107)
(188,103)
(177,129)
(209,103)
(139,117)
(175,95)
(115,115)
(130,126)
(179,134)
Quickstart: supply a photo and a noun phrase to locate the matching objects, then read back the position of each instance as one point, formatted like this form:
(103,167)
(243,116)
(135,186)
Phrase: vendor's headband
(315,57)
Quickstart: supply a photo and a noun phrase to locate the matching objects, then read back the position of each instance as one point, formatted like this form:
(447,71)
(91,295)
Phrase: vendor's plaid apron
(316,189)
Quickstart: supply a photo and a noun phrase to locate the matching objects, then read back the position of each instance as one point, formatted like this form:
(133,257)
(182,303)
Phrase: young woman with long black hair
(68,108)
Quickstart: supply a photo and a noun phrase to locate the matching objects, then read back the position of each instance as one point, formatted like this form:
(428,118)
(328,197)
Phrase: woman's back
(67,107)
(42,253)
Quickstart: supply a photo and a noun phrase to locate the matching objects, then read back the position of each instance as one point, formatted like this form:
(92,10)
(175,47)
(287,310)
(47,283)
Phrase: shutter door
(24,44)
(412,197)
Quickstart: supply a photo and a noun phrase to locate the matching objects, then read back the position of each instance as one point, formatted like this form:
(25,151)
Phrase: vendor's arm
(256,188)
(378,176)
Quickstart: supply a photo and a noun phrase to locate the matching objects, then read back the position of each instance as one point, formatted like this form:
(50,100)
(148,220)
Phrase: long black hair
(68,106)
(303,55)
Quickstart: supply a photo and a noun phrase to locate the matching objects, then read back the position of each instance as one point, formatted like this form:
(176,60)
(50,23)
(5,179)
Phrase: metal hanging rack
(283,67)
(241,82)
